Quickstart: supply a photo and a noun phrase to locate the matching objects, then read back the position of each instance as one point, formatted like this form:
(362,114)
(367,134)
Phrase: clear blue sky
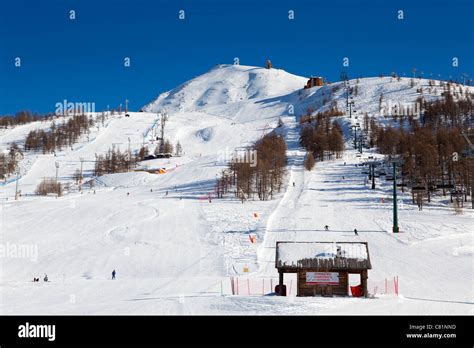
(81,60)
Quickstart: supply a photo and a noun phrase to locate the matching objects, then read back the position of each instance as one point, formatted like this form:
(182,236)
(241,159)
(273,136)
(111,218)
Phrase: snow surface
(290,254)
(174,251)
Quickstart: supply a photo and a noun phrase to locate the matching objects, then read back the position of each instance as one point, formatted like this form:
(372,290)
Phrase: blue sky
(81,60)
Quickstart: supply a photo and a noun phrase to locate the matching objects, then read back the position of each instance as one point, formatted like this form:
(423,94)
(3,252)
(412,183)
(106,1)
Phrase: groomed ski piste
(175,252)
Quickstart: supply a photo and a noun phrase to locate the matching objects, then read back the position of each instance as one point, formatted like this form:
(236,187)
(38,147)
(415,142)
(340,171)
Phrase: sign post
(322,278)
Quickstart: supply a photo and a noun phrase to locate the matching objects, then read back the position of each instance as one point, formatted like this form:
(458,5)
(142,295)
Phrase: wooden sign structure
(323,268)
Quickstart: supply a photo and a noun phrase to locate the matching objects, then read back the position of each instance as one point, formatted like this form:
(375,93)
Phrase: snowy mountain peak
(227,84)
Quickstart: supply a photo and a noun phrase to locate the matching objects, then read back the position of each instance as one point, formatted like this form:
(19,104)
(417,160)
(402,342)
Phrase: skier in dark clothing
(326,228)
(293,184)
(113,274)
(355,231)
(45,278)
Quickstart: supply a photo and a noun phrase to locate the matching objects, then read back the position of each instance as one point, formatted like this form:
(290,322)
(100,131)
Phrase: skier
(326,228)
(113,274)
(45,278)
(355,231)
(343,178)
(293,184)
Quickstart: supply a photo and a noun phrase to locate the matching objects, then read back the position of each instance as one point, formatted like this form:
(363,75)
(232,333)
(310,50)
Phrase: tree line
(58,136)
(448,111)
(432,151)
(115,161)
(9,161)
(23,117)
(322,138)
(263,178)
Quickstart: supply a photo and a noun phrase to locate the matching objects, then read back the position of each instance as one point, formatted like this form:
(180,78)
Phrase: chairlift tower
(354,129)
(164,118)
(350,106)
(372,173)
(395,162)
(81,159)
(17,183)
(57,170)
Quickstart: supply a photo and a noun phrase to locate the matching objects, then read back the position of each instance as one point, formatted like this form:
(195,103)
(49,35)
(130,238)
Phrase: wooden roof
(322,256)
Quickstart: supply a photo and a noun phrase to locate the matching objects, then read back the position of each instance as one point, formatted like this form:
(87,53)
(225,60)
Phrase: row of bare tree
(262,178)
(49,185)
(9,161)
(324,138)
(115,161)
(23,117)
(433,152)
(448,111)
(58,136)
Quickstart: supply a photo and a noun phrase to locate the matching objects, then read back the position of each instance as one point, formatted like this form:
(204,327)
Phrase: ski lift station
(323,268)
(314,81)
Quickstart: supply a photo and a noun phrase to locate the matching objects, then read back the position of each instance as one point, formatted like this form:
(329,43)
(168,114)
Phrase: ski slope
(174,251)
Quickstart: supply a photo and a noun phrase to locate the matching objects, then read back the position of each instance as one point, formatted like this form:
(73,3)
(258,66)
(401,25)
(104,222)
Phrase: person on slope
(355,232)
(326,228)
(293,184)
(45,278)
(113,274)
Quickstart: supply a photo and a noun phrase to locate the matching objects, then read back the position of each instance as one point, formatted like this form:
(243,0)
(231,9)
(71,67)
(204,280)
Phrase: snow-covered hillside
(227,84)
(373,93)
(174,250)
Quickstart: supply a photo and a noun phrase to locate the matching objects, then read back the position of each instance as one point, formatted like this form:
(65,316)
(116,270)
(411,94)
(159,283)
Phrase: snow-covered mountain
(227,84)
(174,251)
